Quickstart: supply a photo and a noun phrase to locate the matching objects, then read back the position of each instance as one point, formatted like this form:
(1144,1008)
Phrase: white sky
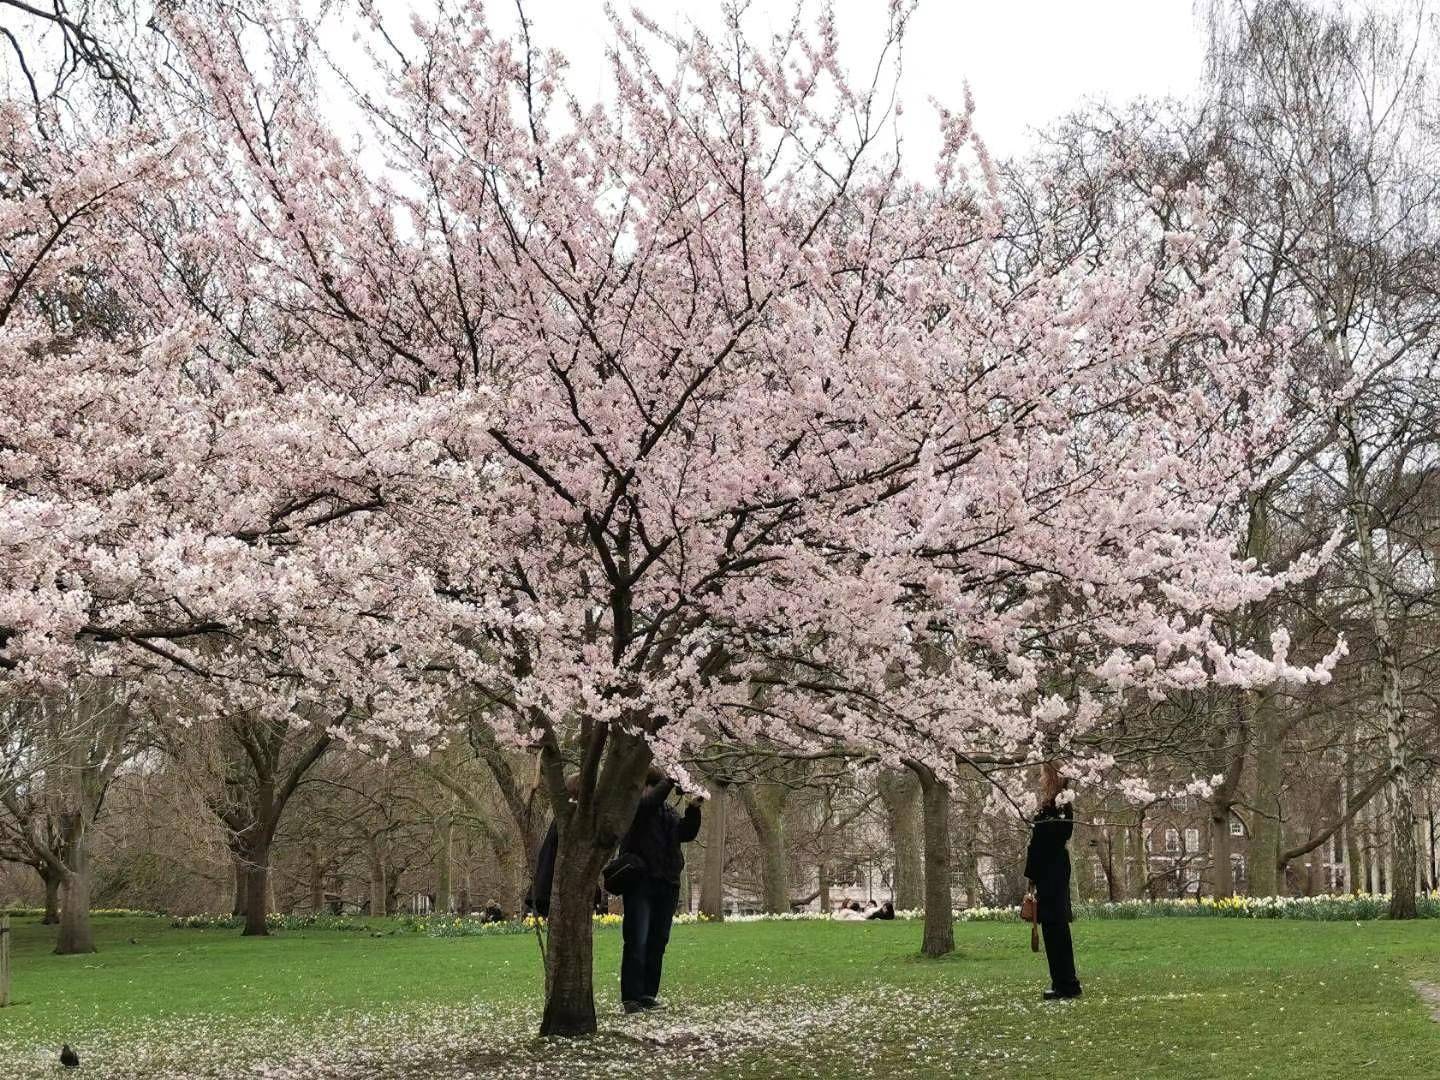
(1027,61)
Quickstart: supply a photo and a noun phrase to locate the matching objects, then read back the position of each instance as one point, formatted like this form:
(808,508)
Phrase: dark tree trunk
(392,890)
(256,864)
(939,915)
(1266,825)
(257,796)
(52,881)
(377,881)
(589,831)
(444,841)
(1222,878)
(317,880)
(238,908)
(569,958)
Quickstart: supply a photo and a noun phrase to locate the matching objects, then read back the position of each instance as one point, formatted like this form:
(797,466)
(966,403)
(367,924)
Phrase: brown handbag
(1029,914)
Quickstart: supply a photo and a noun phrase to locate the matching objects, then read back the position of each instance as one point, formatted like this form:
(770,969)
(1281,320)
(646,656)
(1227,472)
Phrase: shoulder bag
(1030,914)
(623,873)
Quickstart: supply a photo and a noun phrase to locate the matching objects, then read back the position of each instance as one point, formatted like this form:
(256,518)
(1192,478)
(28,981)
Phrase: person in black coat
(655,837)
(1047,865)
(537,900)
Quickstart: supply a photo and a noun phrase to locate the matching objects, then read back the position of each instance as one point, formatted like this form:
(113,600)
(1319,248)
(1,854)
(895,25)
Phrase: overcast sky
(1027,61)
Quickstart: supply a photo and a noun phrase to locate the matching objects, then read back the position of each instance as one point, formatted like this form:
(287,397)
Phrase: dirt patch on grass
(1430,994)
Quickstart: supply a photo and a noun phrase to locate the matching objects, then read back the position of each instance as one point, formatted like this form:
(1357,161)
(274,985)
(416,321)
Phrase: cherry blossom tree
(687,416)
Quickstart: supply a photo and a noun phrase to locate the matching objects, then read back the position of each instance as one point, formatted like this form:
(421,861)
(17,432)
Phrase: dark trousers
(1060,955)
(649,911)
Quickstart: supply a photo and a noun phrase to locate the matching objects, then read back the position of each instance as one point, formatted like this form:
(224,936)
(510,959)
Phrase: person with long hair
(1047,865)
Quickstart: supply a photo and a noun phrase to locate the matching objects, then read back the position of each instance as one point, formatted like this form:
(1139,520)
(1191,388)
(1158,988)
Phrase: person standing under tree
(654,838)
(1047,865)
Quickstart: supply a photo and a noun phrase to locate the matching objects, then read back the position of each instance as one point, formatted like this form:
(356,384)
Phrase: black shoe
(651,1003)
(1058,995)
(631,1006)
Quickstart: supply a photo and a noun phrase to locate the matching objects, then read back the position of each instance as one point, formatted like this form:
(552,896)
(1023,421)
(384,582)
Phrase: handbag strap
(1034,919)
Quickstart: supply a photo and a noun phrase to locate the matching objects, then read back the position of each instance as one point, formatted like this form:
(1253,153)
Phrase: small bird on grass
(69,1058)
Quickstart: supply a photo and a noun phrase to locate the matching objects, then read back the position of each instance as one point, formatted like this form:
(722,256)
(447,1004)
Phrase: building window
(1237,827)
(1172,841)
(1192,840)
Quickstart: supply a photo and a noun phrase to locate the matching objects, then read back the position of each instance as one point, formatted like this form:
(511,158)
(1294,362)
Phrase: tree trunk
(765,805)
(317,881)
(1400,802)
(569,955)
(1371,852)
(1265,840)
(1354,866)
(238,906)
(377,883)
(968,800)
(1400,799)
(1084,866)
(52,880)
(76,934)
(939,936)
(1113,890)
(257,890)
(442,866)
(900,791)
(775,868)
(712,883)
(1430,842)
(1138,859)
(588,831)
(1222,878)
(392,889)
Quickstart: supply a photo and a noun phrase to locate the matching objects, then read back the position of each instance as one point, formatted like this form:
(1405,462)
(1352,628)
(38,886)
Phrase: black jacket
(544,873)
(658,831)
(538,899)
(1047,863)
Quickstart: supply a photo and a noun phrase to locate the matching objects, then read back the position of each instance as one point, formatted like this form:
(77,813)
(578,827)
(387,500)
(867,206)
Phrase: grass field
(1163,998)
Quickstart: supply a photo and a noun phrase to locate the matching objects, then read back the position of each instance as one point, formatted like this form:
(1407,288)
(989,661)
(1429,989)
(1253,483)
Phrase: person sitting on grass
(654,838)
(884,911)
(1047,865)
(849,911)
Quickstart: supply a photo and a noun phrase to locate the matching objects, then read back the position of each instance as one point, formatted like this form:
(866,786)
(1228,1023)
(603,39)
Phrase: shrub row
(1362,907)
(1357,908)
(20,912)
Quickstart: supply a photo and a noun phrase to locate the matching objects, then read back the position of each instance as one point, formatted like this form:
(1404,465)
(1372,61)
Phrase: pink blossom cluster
(688,417)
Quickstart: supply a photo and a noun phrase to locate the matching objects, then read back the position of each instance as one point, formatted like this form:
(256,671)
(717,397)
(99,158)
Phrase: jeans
(1060,955)
(649,911)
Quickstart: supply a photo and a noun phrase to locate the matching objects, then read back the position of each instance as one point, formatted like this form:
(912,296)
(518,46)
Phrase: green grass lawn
(1163,998)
